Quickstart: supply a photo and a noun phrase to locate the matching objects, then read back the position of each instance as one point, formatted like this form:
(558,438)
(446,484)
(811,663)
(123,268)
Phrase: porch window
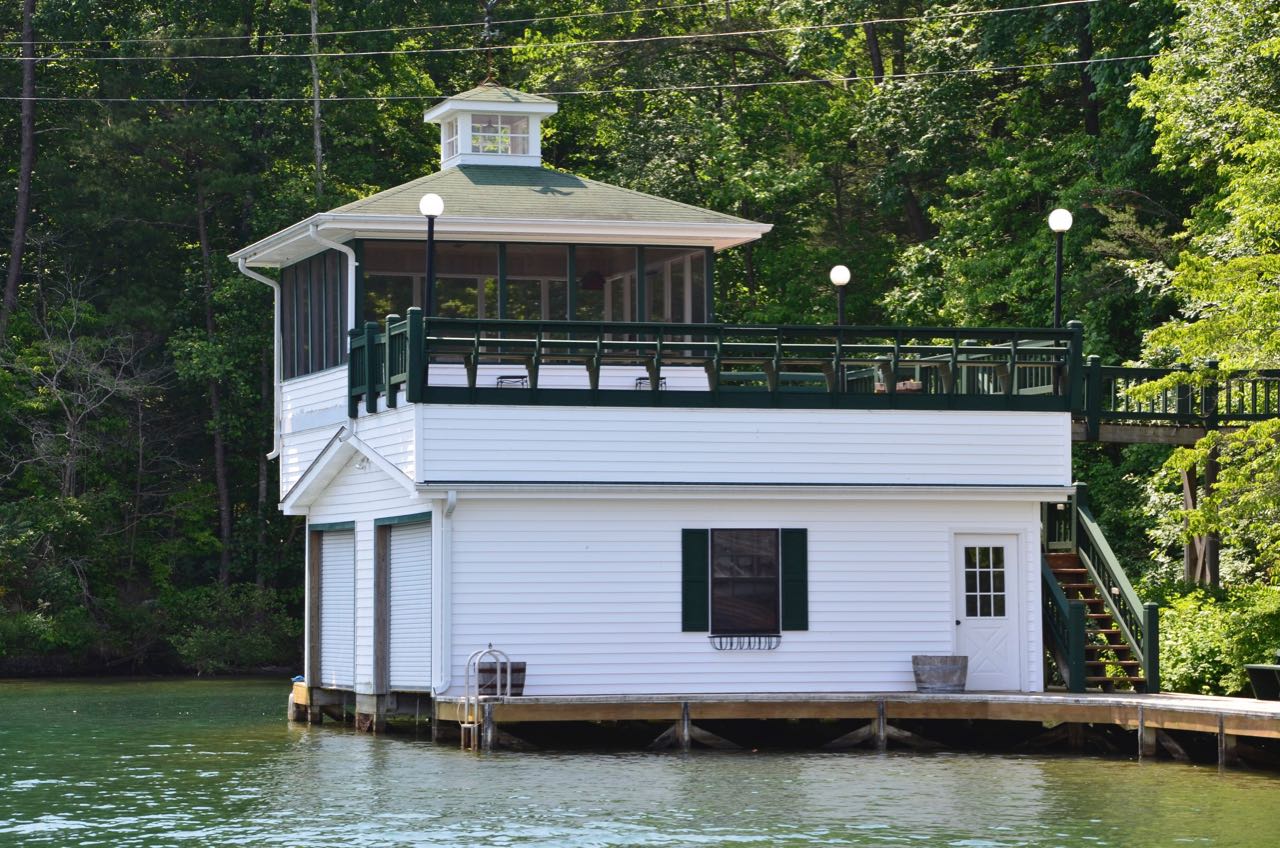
(500,134)
(745,581)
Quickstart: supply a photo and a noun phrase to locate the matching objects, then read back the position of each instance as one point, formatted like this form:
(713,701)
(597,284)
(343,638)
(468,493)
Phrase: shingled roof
(493,93)
(513,192)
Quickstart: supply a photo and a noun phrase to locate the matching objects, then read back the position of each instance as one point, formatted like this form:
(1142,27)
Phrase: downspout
(276,365)
(441,593)
(314,231)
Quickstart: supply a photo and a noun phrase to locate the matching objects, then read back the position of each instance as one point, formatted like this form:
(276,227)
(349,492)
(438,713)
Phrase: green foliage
(1206,639)
(240,627)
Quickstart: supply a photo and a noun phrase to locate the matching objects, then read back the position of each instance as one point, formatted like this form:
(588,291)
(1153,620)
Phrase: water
(214,763)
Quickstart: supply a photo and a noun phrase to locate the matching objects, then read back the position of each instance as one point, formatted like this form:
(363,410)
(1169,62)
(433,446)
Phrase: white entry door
(987,630)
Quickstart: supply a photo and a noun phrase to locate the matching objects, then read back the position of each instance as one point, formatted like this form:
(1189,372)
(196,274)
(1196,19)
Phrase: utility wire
(598,92)
(410,29)
(688,36)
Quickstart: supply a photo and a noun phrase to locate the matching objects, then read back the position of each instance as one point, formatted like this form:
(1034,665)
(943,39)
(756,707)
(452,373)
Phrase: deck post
(371,364)
(414,383)
(371,713)
(1227,755)
(1146,736)
(1093,399)
(882,727)
(1075,367)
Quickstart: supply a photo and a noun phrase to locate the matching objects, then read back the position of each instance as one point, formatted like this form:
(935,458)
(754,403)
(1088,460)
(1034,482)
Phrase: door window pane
(984,582)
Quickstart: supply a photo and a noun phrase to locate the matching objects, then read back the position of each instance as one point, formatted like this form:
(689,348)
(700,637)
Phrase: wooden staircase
(1109,659)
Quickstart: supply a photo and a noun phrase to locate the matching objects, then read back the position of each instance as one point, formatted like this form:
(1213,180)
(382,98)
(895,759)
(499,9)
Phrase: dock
(1150,717)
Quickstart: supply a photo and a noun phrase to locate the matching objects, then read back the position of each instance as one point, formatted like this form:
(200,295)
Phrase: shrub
(231,628)
(1206,639)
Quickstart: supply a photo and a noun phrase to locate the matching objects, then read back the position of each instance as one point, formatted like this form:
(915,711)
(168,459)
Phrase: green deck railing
(1064,622)
(790,366)
(1139,623)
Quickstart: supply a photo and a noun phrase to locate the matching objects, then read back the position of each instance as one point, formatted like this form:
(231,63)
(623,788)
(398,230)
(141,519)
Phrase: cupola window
(507,134)
(450,138)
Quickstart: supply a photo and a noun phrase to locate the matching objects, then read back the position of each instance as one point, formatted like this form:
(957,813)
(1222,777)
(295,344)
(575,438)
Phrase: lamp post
(431,205)
(839,279)
(1059,222)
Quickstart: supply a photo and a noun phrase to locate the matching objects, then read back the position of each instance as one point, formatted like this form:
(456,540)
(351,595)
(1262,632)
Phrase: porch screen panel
(337,609)
(536,276)
(313,314)
(409,607)
(606,282)
(466,279)
(288,336)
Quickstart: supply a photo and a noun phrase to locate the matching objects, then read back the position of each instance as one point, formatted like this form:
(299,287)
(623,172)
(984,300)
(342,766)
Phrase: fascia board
(738,492)
(442,111)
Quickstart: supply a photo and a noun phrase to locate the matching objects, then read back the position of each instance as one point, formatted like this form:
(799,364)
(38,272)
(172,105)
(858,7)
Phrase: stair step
(1121,679)
(1109,631)
(1097,615)
(1116,648)
(1061,556)
(1125,663)
(1061,571)
(1077,586)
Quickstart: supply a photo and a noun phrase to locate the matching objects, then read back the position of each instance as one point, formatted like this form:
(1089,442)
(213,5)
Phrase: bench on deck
(1265,680)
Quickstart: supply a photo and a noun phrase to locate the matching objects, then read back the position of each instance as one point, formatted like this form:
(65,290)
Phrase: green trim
(642,288)
(392,520)
(502,280)
(709,280)
(695,583)
(571,293)
(331,526)
(795,579)
(357,320)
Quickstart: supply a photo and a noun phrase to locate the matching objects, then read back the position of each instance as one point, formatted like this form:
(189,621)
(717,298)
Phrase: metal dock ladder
(476,719)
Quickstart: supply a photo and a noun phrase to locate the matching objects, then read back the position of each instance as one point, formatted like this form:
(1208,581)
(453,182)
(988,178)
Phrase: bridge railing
(1207,398)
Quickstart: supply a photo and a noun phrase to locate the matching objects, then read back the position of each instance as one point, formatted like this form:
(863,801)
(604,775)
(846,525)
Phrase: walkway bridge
(1098,632)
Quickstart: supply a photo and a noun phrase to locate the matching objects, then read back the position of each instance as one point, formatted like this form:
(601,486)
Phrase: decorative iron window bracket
(745,641)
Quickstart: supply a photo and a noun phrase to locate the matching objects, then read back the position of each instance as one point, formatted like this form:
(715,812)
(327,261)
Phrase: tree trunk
(26,166)
(316,144)
(215,402)
(1088,90)
(264,476)
(873,52)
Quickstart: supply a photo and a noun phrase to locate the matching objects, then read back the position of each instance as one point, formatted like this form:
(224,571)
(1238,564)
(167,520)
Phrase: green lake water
(215,763)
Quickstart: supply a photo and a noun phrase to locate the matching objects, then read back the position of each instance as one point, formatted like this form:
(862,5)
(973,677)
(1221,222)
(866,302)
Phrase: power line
(598,92)
(688,36)
(410,29)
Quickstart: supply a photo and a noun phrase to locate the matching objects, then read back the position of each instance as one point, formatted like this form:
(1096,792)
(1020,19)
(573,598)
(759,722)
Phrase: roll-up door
(337,609)
(409,607)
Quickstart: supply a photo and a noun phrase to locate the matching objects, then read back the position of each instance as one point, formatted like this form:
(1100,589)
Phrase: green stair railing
(1064,621)
(1139,623)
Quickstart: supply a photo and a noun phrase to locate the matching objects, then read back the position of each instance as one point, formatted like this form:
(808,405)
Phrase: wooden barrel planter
(940,674)
(488,673)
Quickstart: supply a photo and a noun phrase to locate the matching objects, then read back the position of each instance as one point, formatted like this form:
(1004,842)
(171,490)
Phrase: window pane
(466,279)
(971,606)
(536,275)
(606,281)
(744,581)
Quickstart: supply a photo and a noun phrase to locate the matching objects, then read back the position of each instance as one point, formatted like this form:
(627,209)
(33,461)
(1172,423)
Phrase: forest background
(920,143)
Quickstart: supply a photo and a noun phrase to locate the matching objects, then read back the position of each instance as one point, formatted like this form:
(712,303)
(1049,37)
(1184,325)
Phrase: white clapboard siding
(588,592)
(362,496)
(314,400)
(409,607)
(756,446)
(337,609)
(391,434)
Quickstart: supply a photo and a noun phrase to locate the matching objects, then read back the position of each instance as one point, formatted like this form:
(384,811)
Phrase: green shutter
(795,579)
(696,573)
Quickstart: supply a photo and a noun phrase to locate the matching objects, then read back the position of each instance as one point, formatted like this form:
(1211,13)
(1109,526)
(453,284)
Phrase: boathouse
(547,444)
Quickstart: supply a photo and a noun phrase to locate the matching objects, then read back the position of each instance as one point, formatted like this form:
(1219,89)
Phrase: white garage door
(337,609)
(409,607)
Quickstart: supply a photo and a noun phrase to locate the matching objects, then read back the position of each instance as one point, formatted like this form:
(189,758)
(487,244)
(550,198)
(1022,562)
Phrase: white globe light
(431,205)
(839,275)
(1059,220)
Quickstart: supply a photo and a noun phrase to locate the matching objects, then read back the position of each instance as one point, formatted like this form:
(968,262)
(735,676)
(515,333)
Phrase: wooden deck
(1222,716)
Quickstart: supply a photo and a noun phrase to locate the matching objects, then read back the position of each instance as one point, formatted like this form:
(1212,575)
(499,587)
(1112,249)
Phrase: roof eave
(341,226)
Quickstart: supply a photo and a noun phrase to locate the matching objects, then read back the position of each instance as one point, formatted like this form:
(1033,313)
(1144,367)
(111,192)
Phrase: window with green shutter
(745,581)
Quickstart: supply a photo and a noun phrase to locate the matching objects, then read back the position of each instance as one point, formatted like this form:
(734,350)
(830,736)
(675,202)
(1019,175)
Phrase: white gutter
(314,231)
(276,364)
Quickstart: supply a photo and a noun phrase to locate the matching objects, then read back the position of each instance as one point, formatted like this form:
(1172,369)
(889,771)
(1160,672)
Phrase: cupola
(491,125)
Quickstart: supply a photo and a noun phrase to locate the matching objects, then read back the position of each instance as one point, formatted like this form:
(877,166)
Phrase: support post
(417,374)
(1151,646)
(1093,399)
(371,713)
(1077,618)
(489,730)
(1146,736)
(370,368)
(1075,367)
(683,736)
(881,731)
(1227,755)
